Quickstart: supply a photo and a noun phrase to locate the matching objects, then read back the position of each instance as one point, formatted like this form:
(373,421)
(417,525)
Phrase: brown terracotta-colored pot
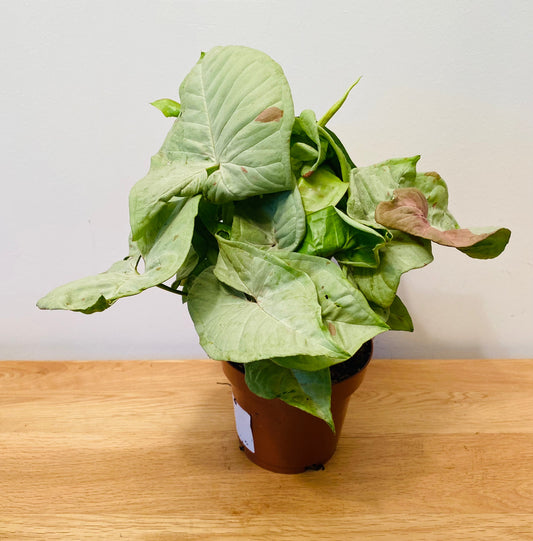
(284,439)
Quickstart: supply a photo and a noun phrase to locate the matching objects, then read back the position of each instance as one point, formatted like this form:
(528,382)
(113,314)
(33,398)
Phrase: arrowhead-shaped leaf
(408,212)
(344,310)
(263,309)
(165,249)
(232,139)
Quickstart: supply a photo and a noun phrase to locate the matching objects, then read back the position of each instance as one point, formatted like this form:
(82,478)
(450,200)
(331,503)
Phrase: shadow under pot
(285,439)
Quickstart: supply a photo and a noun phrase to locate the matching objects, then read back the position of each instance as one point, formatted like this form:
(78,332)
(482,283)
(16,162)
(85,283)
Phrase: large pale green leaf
(284,292)
(408,212)
(403,253)
(344,309)
(375,183)
(308,391)
(236,326)
(330,233)
(165,249)
(270,221)
(270,311)
(232,139)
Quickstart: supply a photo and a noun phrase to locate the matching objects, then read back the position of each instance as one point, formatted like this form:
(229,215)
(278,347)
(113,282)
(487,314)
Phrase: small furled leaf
(320,190)
(168,107)
(336,106)
(306,136)
(308,391)
(274,221)
(337,149)
(304,152)
(408,212)
(401,254)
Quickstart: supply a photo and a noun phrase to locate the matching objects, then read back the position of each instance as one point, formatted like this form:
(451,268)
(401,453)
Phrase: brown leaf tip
(271,114)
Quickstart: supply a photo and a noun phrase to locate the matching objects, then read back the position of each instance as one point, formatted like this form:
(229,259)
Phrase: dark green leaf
(308,391)
(331,233)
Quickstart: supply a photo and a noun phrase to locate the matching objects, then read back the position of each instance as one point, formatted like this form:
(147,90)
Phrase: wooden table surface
(147,450)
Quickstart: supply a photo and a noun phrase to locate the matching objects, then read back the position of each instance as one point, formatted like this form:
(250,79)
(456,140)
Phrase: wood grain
(431,450)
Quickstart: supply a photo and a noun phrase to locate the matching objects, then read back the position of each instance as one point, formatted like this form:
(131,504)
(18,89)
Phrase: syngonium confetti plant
(288,255)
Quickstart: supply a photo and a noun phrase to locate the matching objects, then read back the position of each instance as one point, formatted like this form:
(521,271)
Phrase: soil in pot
(284,439)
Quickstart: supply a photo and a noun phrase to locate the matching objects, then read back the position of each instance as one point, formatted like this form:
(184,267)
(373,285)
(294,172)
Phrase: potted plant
(287,254)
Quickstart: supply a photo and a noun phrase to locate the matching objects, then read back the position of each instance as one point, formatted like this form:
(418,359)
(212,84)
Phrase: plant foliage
(288,255)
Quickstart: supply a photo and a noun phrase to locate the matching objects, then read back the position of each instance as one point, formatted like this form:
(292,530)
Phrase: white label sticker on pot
(243,421)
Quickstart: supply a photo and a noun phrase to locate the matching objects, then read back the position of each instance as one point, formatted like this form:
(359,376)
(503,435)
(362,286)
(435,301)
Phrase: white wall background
(449,80)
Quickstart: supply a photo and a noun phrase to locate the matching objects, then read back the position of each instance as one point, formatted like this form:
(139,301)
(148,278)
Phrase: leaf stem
(171,290)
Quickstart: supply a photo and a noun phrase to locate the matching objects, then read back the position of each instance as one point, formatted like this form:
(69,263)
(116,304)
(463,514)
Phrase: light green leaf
(262,322)
(375,183)
(153,193)
(321,189)
(274,221)
(165,249)
(344,310)
(168,107)
(403,253)
(232,139)
(303,152)
(307,137)
(308,391)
